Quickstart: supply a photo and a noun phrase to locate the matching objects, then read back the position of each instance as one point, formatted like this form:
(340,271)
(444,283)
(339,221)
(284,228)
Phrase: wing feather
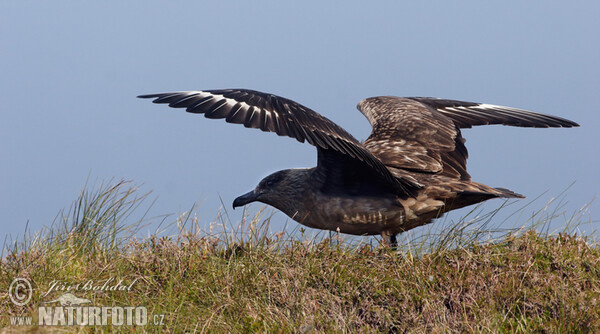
(468,114)
(285,117)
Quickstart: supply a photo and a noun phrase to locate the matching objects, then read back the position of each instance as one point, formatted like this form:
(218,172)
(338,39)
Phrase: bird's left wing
(467,114)
(285,117)
(422,134)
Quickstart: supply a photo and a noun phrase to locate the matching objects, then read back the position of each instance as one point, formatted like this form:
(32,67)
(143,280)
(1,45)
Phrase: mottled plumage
(410,170)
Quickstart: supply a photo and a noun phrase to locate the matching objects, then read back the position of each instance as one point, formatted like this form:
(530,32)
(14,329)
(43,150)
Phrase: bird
(409,171)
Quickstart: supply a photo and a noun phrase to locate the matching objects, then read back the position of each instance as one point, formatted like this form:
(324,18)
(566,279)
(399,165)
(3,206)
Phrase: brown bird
(410,170)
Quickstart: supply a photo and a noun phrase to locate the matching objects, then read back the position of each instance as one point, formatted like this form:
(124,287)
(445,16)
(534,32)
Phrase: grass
(241,278)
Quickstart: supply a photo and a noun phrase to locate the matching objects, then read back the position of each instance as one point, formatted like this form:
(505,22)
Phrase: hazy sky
(70,71)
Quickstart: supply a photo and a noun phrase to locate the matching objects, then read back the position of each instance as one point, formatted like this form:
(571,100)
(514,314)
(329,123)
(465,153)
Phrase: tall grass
(98,220)
(473,275)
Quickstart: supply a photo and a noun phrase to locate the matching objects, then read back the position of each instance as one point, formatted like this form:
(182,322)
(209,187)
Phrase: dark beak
(244,199)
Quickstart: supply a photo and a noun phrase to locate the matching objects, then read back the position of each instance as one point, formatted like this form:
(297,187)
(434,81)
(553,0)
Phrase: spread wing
(423,134)
(467,114)
(285,117)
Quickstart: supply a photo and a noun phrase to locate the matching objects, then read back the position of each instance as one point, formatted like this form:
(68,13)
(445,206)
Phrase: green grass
(468,277)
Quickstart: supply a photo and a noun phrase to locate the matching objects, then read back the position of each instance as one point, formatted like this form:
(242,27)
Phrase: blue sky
(71,71)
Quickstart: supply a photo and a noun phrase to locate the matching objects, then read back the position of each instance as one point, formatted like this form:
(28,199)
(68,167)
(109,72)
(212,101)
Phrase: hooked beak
(244,199)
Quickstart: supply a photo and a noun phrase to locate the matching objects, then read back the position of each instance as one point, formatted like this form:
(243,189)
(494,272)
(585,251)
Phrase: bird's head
(279,189)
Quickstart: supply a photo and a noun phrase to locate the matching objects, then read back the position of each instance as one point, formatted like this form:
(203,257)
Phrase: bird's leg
(389,239)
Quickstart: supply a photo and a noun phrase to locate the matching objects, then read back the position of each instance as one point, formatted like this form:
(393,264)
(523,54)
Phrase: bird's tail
(473,192)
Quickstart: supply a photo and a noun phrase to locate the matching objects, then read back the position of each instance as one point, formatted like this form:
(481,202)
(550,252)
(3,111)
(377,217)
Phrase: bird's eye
(269,183)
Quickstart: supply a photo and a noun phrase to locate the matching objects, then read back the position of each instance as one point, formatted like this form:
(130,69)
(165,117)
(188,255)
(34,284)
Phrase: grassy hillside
(245,279)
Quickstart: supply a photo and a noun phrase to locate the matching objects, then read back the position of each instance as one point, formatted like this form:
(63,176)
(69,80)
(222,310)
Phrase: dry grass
(245,279)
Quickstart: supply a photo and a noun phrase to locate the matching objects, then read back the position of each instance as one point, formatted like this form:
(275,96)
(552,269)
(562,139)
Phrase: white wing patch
(483,106)
(230,101)
(485,109)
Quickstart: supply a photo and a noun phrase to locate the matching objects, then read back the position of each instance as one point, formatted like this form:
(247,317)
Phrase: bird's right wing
(285,117)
